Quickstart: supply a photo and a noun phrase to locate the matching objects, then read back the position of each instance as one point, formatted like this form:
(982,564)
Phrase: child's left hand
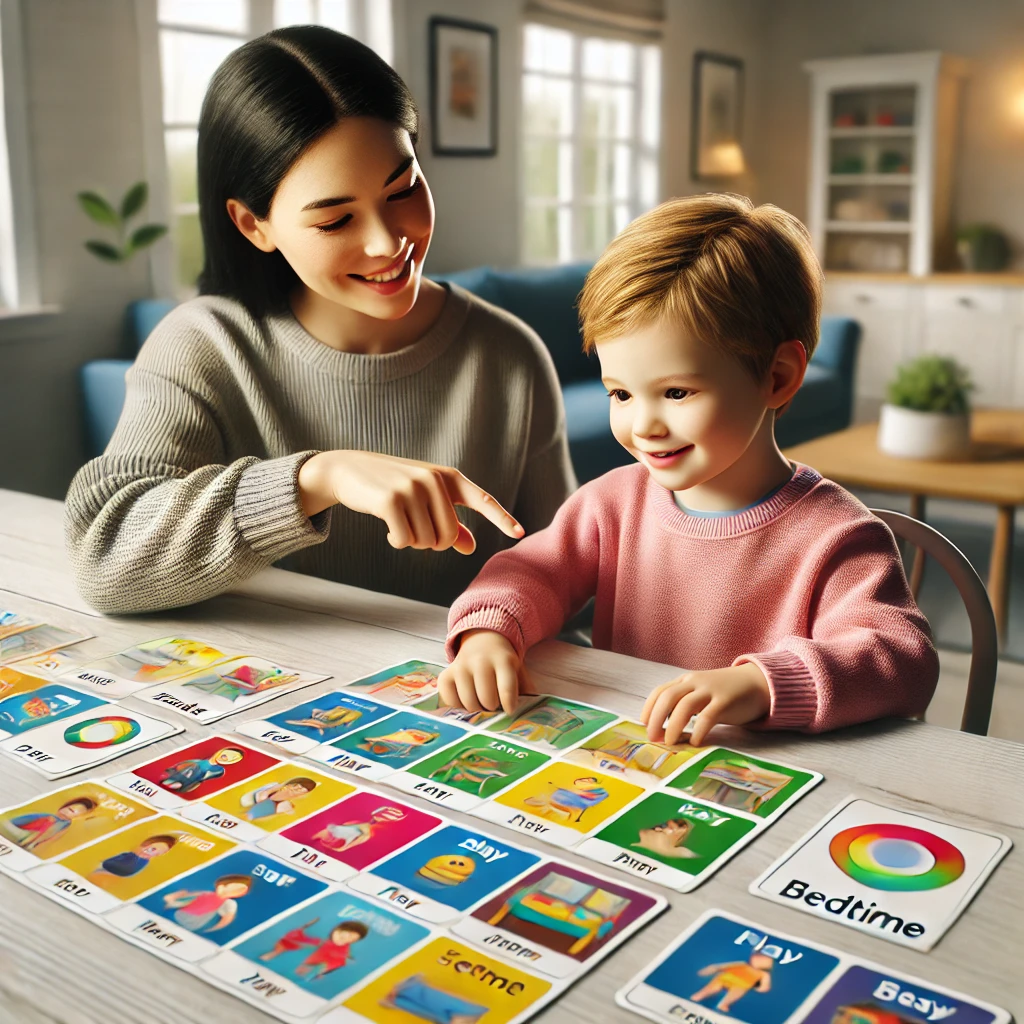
(728,696)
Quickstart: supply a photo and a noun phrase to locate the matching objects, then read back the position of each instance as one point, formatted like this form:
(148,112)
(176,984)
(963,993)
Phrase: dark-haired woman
(320,383)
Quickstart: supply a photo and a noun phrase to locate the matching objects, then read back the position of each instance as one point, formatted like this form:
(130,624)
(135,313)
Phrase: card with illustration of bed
(31,638)
(295,966)
(193,772)
(50,702)
(671,839)
(444,875)
(319,720)
(195,915)
(268,802)
(50,826)
(471,771)
(623,749)
(379,750)
(553,724)
(447,981)
(226,687)
(123,866)
(407,683)
(351,835)
(741,782)
(560,804)
(559,918)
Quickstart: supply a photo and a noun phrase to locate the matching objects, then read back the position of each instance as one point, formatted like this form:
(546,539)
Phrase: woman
(319,383)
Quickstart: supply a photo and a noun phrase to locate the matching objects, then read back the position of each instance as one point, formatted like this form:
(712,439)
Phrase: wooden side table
(994,475)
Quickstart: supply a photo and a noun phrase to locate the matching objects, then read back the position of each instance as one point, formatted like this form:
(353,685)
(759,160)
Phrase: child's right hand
(484,674)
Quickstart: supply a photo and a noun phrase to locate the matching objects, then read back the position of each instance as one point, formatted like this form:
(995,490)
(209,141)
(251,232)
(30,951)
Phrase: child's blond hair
(730,273)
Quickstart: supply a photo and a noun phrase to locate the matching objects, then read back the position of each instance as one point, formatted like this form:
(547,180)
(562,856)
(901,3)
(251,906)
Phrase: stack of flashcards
(900,876)
(723,969)
(189,677)
(22,636)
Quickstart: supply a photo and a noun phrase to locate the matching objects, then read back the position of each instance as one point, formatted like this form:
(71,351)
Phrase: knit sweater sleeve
(527,592)
(162,519)
(869,653)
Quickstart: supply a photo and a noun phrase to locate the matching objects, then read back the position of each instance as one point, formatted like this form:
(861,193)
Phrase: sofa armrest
(103,391)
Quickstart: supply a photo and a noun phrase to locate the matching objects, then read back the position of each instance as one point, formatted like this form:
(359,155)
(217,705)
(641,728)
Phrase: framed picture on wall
(716,149)
(463,88)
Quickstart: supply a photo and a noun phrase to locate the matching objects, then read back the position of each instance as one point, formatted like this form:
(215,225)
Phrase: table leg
(1000,569)
(917,569)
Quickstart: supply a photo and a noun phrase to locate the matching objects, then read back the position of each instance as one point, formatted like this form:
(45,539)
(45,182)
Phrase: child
(276,798)
(131,862)
(196,910)
(37,829)
(736,980)
(185,776)
(334,952)
(782,596)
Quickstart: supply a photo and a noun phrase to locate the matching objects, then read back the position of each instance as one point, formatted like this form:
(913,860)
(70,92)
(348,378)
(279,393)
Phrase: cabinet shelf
(871,179)
(873,131)
(885,227)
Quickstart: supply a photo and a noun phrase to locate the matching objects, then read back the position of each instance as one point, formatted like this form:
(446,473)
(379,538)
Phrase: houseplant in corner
(927,412)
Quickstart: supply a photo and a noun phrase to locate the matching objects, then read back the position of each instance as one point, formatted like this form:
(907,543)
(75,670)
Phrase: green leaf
(931,383)
(98,208)
(105,251)
(134,199)
(146,235)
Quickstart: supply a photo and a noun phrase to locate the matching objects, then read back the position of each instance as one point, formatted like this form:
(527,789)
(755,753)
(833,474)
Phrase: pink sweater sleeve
(527,592)
(870,652)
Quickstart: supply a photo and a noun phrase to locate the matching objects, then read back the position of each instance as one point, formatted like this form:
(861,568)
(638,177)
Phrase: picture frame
(716,122)
(463,88)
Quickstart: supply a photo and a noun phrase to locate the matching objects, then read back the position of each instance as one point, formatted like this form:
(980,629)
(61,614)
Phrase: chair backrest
(981,680)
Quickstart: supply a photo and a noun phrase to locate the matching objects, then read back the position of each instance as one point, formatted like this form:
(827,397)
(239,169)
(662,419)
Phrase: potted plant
(927,413)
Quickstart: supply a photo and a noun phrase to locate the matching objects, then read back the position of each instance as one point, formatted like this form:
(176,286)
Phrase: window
(591,136)
(192,38)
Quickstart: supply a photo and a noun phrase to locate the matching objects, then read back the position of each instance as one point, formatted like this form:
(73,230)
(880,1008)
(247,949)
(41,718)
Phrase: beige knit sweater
(197,489)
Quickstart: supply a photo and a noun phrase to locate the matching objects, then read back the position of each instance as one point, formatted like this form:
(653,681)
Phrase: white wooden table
(57,967)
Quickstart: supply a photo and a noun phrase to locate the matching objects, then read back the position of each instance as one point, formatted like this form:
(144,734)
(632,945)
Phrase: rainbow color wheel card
(268,802)
(443,876)
(320,720)
(50,702)
(48,827)
(227,687)
(471,771)
(407,683)
(86,739)
(194,772)
(195,915)
(294,967)
(890,873)
(35,639)
(559,919)
(447,981)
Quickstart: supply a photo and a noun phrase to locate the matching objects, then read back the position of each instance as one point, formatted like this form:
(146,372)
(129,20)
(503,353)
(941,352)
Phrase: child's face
(150,850)
(344,937)
(289,791)
(232,890)
(72,811)
(688,411)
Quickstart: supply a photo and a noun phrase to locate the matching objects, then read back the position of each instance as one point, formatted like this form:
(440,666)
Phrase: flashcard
(52,825)
(554,723)
(320,720)
(194,772)
(463,776)
(297,965)
(379,750)
(123,866)
(433,706)
(724,969)
(15,622)
(51,666)
(670,839)
(890,873)
(156,661)
(350,835)
(744,783)
(196,914)
(268,802)
(49,703)
(446,981)
(37,639)
(624,750)
(559,919)
(445,874)
(227,687)
(14,681)
(407,683)
(87,739)
(559,804)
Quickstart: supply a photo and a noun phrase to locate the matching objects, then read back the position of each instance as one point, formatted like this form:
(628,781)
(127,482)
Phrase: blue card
(25,711)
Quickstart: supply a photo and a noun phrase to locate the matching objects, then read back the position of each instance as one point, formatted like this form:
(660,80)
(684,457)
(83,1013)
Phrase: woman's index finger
(463,491)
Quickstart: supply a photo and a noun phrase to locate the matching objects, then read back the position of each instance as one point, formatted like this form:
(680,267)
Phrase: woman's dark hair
(267,102)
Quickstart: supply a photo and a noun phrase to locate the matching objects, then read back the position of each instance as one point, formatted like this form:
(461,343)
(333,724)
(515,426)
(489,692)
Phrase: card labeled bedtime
(890,873)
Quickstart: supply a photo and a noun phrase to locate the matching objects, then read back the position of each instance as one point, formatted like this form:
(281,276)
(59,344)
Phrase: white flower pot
(910,434)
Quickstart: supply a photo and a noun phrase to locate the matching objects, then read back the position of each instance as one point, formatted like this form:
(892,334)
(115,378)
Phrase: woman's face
(353,217)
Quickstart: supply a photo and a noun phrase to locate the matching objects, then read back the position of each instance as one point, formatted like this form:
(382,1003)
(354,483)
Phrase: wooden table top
(57,968)
(995,473)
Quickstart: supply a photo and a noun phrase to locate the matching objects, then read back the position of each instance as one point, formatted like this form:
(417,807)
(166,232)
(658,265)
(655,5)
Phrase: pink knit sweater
(807,585)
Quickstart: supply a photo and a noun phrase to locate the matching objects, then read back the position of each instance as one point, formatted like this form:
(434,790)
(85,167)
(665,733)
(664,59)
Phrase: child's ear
(250,225)
(786,374)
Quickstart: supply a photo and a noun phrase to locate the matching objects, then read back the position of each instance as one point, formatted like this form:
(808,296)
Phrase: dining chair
(981,680)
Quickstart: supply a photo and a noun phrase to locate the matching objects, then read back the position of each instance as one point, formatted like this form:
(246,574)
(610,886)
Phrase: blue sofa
(545,299)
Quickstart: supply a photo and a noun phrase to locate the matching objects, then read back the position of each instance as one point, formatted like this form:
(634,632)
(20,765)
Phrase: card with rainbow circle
(887,872)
